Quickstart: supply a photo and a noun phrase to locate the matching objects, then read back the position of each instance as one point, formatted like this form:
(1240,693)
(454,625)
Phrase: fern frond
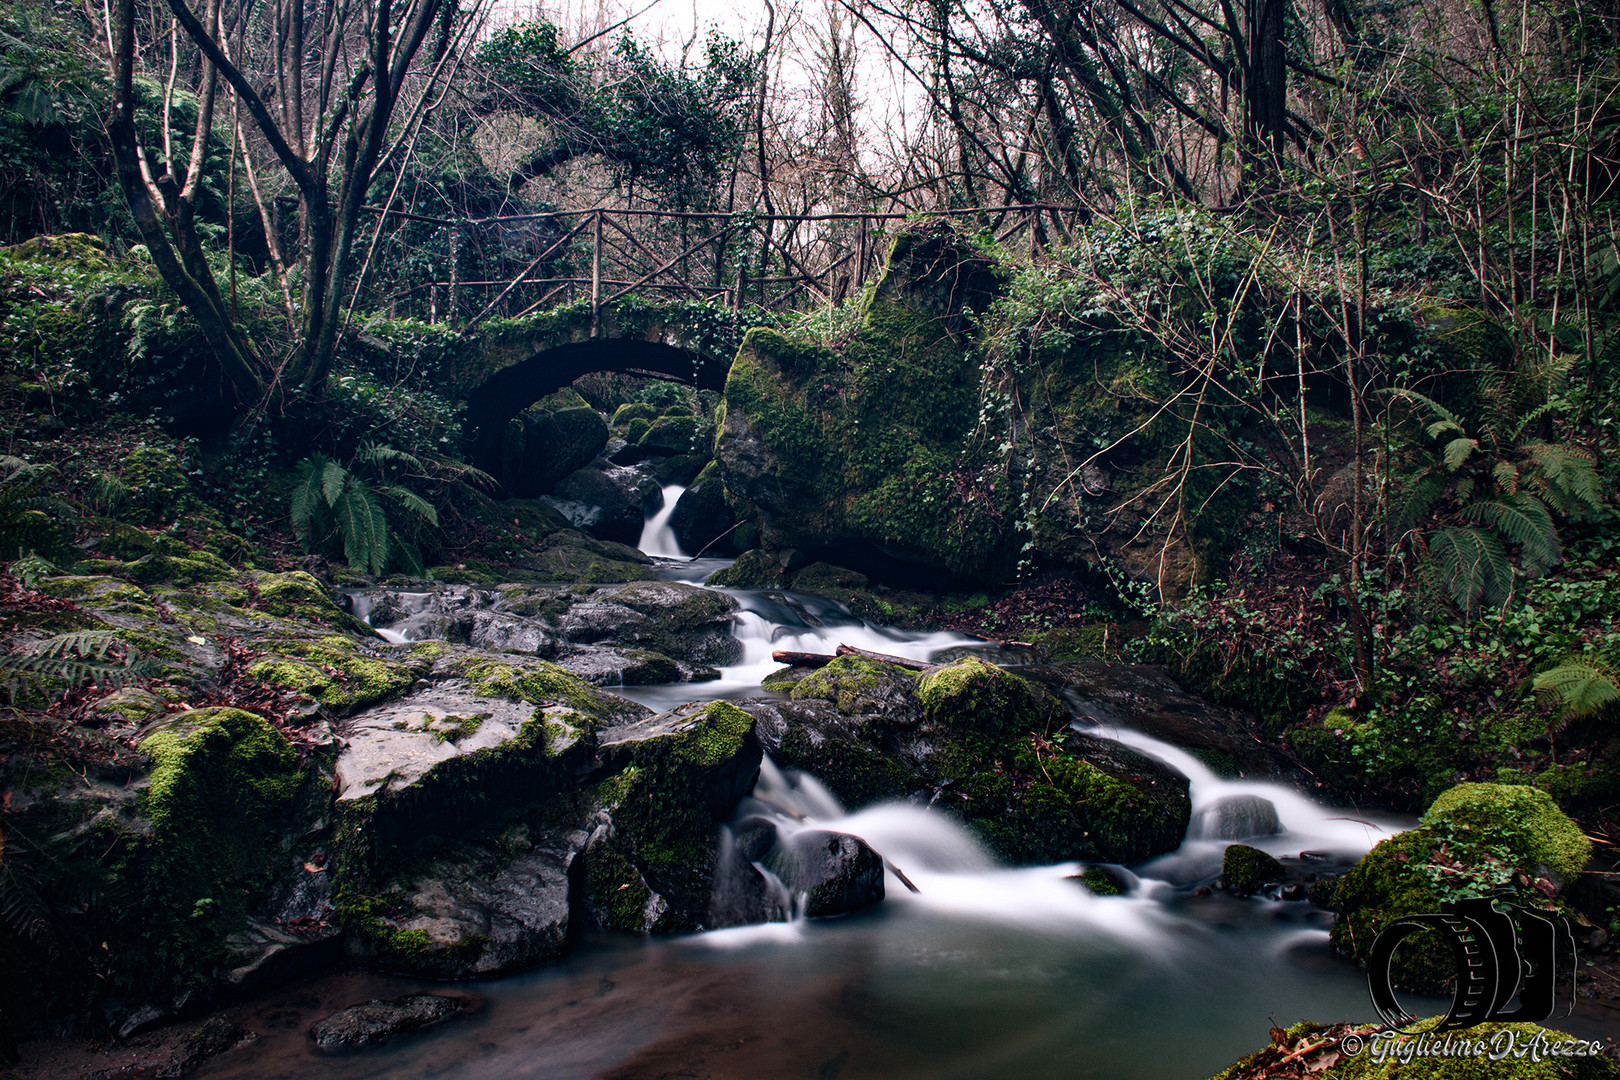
(377,453)
(1566,477)
(1531,417)
(1448,419)
(97,656)
(1458,451)
(1523,519)
(1418,496)
(1506,478)
(1473,567)
(306,498)
(334,478)
(364,529)
(414,503)
(409,557)
(1583,685)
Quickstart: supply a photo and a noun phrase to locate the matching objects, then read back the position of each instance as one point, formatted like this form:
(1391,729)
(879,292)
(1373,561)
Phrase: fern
(1583,686)
(1524,520)
(1458,451)
(1474,567)
(1565,477)
(364,529)
(1418,496)
(97,656)
(412,502)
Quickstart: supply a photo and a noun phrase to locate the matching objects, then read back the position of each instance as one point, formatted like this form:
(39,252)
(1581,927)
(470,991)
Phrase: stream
(985,971)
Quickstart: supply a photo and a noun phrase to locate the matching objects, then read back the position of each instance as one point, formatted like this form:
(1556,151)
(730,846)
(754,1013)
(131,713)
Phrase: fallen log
(885,658)
(802,659)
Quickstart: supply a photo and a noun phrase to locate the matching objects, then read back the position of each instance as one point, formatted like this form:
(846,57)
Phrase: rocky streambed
(456,782)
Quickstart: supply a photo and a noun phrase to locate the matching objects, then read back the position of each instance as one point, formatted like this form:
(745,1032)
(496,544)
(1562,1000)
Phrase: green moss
(297,595)
(637,429)
(756,569)
(1099,882)
(221,790)
(1522,1064)
(635,410)
(1521,819)
(1246,868)
(974,695)
(669,434)
(195,566)
(538,683)
(614,891)
(852,683)
(333,671)
(1475,840)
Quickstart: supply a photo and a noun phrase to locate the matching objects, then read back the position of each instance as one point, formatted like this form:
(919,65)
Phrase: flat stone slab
(372,1023)
(395,745)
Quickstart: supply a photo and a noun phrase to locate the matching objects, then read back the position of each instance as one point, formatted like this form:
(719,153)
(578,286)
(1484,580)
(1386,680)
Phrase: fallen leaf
(196,639)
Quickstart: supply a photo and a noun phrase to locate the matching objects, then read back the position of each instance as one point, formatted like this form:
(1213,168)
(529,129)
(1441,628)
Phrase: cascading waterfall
(657,538)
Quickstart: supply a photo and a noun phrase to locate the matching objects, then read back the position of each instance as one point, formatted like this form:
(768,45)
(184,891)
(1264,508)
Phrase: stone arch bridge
(507,366)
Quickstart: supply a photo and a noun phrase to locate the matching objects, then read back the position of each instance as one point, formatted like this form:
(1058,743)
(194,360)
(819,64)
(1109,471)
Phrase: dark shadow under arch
(509,391)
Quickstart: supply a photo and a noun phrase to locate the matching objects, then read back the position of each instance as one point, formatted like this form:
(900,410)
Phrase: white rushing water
(657,538)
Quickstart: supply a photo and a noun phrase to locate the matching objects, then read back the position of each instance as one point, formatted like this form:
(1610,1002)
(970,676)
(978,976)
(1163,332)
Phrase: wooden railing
(777,262)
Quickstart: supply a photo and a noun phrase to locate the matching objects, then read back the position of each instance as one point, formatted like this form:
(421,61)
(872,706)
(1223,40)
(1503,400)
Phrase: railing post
(454,230)
(736,293)
(596,273)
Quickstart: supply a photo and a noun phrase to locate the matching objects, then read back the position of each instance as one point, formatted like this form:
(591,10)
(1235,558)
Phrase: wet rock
(681,621)
(488,908)
(1143,697)
(1103,881)
(836,872)
(701,515)
(551,444)
(262,955)
(609,503)
(375,1022)
(609,666)
(1237,817)
(1246,869)
(500,632)
(216,1037)
(1295,890)
(678,777)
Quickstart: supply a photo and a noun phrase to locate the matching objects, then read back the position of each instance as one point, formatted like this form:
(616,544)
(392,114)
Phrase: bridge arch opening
(508,392)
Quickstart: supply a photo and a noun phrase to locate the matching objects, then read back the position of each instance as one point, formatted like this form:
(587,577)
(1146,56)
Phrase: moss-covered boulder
(548,441)
(702,516)
(856,686)
(297,595)
(870,449)
(610,503)
(973,695)
(334,671)
(573,556)
(669,435)
(983,744)
(677,777)
(1475,840)
(220,797)
(634,410)
(1246,869)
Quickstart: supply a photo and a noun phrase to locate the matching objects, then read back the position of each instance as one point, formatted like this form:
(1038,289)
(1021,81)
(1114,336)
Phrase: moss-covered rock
(1245,869)
(679,776)
(572,556)
(1523,820)
(220,795)
(871,448)
(547,442)
(857,686)
(669,435)
(976,696)
(297,595)
(334,671)
(195,566)
(634,410)
(702,516)
(1475,840)
(756,569)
